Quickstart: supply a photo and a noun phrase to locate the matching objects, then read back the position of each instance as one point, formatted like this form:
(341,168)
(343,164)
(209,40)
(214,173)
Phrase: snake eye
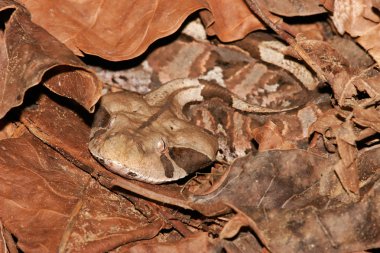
(161,146)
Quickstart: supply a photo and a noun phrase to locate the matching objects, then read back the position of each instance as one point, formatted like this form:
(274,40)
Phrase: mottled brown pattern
(212,90)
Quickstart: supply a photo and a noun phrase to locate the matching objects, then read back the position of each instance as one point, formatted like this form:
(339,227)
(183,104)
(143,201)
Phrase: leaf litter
(302,181)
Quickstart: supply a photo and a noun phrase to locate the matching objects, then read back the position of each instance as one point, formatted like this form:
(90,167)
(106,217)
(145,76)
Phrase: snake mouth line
(124,171)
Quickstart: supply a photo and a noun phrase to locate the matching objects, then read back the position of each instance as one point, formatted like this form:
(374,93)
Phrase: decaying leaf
(222,21)
(367,117)
(28,54)
(285,205)
(361,21)
(340,136)
(274,178)
(293,8)
(115,30)
(354,17)
(57,201)
(193,244)
(346,82)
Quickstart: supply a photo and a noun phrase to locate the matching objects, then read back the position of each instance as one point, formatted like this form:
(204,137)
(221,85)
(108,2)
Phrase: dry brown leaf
(367,81)
(275,179)
(325,122)
(233,226)
(114,30)
(370,40)
(338,72)
(346,168)
(291,8)
(367,117)
(349,49)
(360,19)
(7,243)
(245,242)
(77,84)
(44,196)
(312,31)
(223,18)
(123,30)
(340,136)
(337,229)
(198,242)
(325,56)
(280,193)
(28,54)
(3,242)
(269,137)
(354,17)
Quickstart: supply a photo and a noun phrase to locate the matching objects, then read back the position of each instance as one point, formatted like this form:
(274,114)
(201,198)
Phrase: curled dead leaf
(28,54)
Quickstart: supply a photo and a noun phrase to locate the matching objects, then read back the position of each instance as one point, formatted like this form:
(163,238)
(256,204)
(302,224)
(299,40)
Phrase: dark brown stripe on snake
(153,118)
(97,133)
(189,159)
(168,166)
(212,90)
(102,118)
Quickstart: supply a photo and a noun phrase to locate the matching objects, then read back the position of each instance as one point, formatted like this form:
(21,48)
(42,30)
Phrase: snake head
(148,143)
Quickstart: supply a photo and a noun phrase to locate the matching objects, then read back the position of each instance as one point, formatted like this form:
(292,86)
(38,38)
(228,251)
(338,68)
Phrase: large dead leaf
(273,177)
(51,206)
(124,29)
(29,55)
(121,30)
(336,227)
(346,228)
(281,193)
(114,30)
